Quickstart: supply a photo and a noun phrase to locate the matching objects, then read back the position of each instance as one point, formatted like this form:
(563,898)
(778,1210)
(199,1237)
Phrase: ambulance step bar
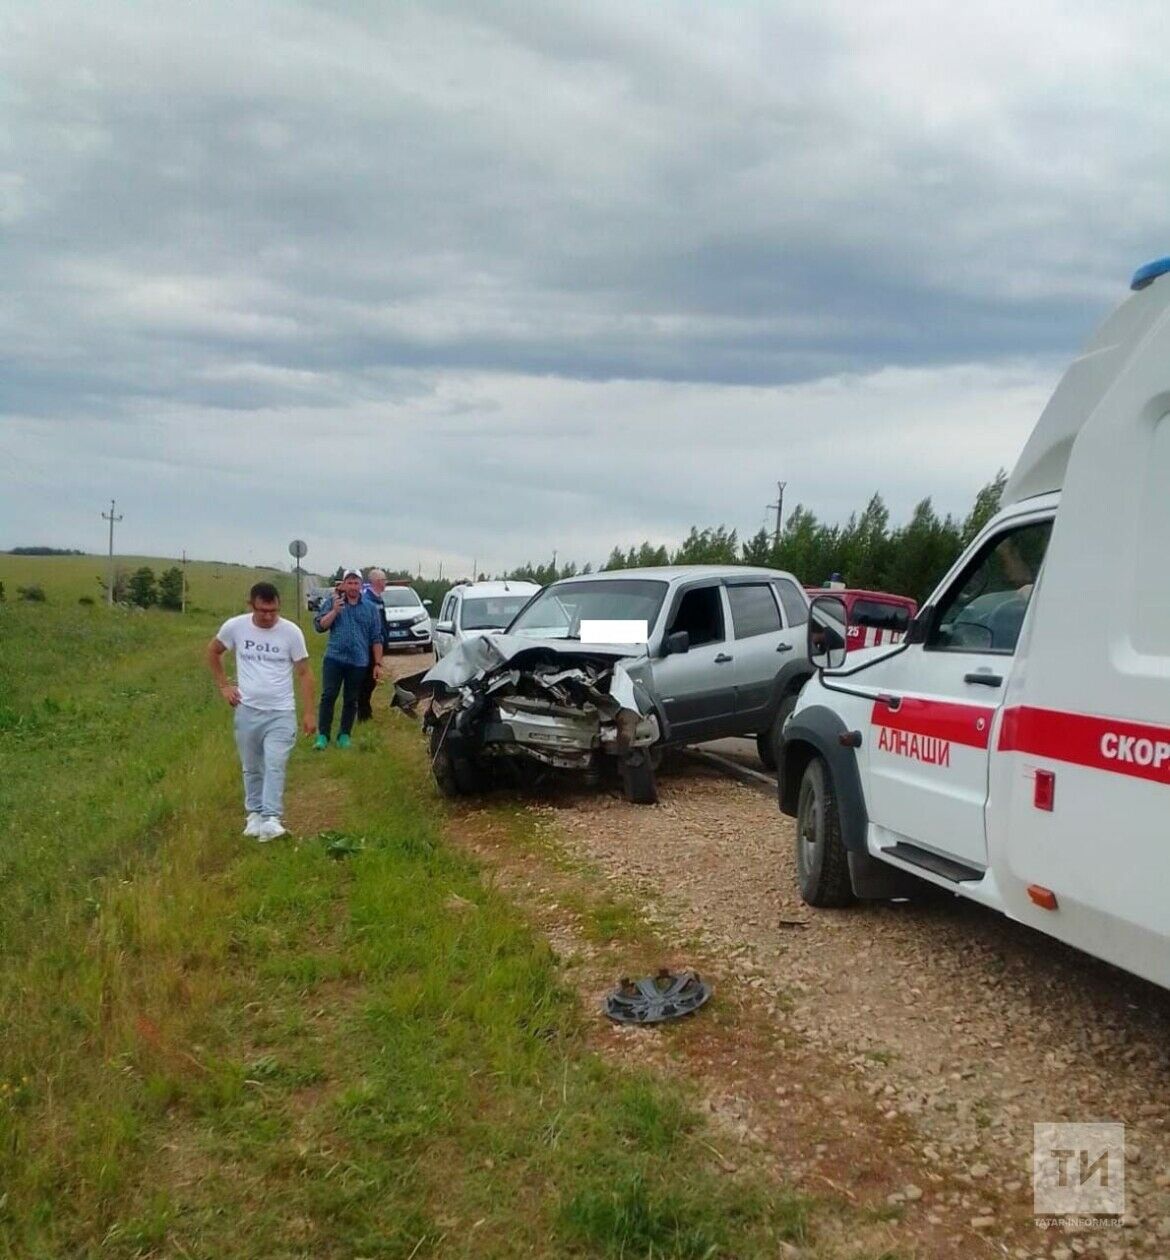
(948,868)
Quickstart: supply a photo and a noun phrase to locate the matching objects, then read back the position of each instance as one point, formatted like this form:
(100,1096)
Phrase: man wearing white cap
(355,630)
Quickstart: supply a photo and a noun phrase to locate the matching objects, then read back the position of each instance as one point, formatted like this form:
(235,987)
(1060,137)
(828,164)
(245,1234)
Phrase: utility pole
(109,516)
(184,608)
(475,568)
(779,506)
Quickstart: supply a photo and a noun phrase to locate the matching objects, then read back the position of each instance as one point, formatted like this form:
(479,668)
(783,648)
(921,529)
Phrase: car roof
(856,592)
(484,589)
(680,572)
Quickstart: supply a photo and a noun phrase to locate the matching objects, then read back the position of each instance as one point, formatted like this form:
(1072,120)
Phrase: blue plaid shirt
(355,631)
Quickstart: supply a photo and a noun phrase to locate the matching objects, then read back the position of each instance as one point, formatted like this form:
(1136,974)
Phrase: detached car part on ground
(702,653)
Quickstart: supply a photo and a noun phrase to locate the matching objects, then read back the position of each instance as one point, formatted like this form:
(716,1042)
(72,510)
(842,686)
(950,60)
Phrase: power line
(779,506)
(109,516)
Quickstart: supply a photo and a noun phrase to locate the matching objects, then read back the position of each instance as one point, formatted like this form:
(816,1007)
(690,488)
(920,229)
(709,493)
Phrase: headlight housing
(422,616)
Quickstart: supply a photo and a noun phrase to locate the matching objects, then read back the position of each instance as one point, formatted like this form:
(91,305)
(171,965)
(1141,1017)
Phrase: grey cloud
(293,215)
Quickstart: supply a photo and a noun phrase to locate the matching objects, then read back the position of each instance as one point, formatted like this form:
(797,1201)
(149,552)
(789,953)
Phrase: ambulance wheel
(822,866)
(768,742)
(454,776)
(639,785)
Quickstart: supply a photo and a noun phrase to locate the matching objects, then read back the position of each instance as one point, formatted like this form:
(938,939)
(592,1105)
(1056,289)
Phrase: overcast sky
(434,281)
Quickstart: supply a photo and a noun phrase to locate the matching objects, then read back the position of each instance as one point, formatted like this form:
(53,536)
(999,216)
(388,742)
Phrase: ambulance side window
(984,610)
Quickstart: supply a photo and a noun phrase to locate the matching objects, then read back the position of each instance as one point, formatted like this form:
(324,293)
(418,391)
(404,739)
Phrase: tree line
(865,551)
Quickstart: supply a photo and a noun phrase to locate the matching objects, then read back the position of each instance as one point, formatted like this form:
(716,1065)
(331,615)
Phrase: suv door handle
(783,647)
(722,658)
(983,679)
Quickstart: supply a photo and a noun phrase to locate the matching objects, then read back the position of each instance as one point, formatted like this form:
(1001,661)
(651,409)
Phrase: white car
(477,608)
(408,624)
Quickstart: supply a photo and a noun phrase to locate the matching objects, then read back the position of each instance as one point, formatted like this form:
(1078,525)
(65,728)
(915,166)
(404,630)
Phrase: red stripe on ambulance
(968,724)
(1112,744)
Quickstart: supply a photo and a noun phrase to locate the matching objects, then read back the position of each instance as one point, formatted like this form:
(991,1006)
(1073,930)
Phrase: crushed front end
(501,701)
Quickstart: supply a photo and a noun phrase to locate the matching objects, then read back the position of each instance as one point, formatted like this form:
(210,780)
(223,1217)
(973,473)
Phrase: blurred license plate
(398,634)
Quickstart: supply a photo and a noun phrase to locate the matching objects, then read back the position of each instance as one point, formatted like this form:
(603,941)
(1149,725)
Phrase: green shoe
(322,741)
(343,741)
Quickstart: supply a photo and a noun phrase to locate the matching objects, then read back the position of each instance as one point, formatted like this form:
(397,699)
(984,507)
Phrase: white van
(1015,747)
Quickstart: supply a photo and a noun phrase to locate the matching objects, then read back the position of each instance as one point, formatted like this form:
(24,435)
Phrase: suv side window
(795,607)
(753,610)
(984,610)
(879,615)
(700,614)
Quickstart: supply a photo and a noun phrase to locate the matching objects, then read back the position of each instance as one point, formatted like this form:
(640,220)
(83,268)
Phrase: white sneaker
(270,829)
(253,825)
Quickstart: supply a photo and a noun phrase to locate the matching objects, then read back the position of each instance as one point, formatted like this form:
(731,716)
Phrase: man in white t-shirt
(269,651)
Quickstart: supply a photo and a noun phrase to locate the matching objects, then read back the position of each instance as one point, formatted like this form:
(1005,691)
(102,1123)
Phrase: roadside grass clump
(344,1045)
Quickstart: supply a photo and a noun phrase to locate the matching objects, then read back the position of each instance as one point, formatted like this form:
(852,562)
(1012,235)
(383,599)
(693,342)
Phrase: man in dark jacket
(355,631)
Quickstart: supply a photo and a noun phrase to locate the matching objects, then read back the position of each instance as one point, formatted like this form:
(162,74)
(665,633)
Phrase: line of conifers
(870,555)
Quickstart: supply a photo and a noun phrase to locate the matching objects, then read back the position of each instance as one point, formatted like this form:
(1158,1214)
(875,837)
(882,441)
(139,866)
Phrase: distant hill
(215,586)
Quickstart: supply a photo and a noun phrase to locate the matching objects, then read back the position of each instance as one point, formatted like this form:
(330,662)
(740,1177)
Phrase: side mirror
(919,629)
(828,624)
(426,603)
(444,627)
(677,643)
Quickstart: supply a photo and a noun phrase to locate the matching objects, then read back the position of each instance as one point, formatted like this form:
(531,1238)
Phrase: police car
(408,624)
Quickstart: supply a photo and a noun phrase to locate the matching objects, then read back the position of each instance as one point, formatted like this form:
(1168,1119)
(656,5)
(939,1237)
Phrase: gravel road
(962,1027)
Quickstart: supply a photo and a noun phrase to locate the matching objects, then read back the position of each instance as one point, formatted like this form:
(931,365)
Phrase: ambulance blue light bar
(1145,276)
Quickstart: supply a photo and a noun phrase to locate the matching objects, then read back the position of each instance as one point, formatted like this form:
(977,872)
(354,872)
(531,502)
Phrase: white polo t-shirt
(264,661)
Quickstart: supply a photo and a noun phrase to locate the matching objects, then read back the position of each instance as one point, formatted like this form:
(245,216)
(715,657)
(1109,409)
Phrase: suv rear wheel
(822,865)
(768,742)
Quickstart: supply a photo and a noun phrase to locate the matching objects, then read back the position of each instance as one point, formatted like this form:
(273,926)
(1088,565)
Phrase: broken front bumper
(561,736)
(555,703)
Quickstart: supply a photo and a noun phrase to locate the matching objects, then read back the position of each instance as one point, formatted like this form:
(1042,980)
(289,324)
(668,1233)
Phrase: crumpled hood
(479,657)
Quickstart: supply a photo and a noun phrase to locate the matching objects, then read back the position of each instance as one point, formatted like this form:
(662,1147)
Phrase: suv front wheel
(639,783)
(822,865)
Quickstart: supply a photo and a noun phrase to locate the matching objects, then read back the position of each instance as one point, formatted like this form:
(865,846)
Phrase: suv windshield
(490,612)
(400,597)
(557,613)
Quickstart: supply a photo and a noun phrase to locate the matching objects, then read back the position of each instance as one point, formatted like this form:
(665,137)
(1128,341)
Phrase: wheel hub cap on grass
(653,999)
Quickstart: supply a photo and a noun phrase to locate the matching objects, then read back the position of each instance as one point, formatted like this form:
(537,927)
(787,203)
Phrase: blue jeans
(265,740)
(334,676)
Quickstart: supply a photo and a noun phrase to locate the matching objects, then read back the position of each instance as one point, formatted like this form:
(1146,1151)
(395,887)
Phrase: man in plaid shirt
(355,630)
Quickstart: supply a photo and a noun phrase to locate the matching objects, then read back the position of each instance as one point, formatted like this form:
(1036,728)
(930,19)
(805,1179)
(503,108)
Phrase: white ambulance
(1015,747)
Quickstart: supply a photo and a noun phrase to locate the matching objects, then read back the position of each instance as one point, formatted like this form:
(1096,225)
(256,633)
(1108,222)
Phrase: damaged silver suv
(618,665)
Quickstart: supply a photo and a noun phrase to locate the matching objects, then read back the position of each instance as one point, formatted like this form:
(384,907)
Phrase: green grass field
(212,586)
(347,1045)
